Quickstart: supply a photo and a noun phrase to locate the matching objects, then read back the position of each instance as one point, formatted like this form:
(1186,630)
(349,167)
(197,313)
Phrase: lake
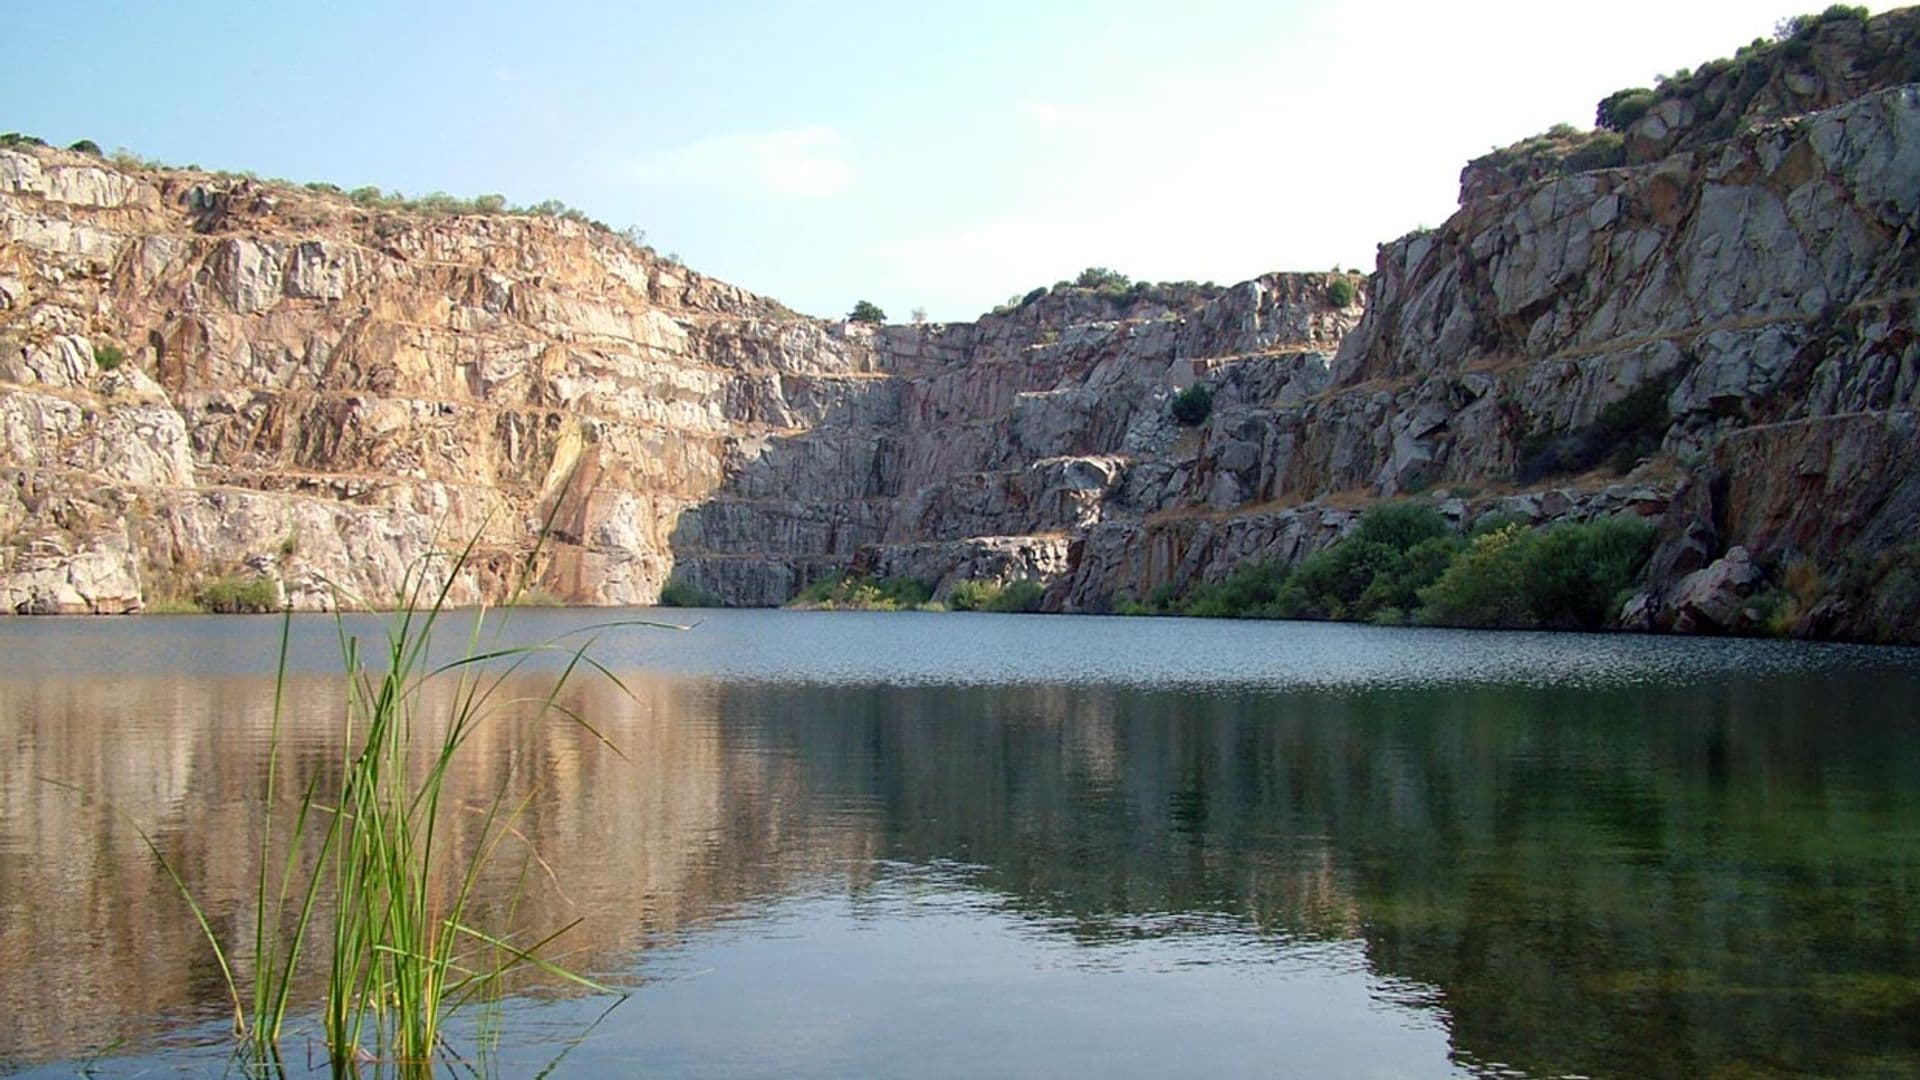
(916,844)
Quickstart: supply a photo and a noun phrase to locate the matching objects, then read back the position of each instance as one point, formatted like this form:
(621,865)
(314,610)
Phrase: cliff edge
(1711,325)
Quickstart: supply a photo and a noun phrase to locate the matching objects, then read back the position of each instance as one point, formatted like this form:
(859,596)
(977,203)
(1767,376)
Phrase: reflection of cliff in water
(96,945)
(1636,881)
(1641,880)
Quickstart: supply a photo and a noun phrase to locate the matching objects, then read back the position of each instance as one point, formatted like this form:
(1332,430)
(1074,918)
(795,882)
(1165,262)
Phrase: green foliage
(681,593)
(441,204)
(1251,591)
(1795,26)
(1574,575)
(1395,550)
(1564,150)
(15,138)
(1328,584)
(1605,150)
(1401,526)
(236,595)
(849,592)
(1340,292)
(866,311)
(1032,296)
(1618,110)
(1193,405)
(1019,595)
(1394,593)
(1102,279)
(1569,577)
(108,357)
(377,859)
(1163,600)
(1482,587)
(1404,562)
(87,146)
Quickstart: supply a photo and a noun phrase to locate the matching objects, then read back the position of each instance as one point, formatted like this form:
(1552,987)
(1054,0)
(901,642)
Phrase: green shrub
(1022,594)
(1395,550)
(1618,110)
(1574,575)
(1193,405)
(108,357)
(1569,577)
(1252,590)
(1798,25)
(1032,296)
(1395,590)
(866,311)
(14,138)
(1018,596)
(1102,279)
(678,592)
(1483,585)
(857,593)
(235,595)
(1402,525)
(1605,150)
(1328,584)
(87,146)
(1340,292)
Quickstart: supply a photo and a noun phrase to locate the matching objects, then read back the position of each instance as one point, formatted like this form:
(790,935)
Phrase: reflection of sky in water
(919,975)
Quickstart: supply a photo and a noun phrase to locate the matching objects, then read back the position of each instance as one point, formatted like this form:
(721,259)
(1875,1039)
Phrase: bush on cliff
(1022,594)
(1340,292)
(234,595)
(1618,110)
(1405,562)
(851,592)
(1193,405)
(1250,592)
(1101,279)
(1482,586)
(1394,552)
(1567,577)
(866,311)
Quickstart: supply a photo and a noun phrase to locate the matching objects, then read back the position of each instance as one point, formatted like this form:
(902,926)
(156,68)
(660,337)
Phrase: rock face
(328,395)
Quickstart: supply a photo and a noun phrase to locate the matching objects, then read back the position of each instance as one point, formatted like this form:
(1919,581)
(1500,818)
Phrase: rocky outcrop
(201,376)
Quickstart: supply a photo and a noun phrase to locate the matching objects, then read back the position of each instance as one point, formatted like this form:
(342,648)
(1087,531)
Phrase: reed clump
(373,867)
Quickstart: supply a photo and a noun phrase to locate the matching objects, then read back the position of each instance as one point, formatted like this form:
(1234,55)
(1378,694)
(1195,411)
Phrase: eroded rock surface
(203,376)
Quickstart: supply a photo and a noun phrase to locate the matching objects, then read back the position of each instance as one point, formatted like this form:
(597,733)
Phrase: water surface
(912,844)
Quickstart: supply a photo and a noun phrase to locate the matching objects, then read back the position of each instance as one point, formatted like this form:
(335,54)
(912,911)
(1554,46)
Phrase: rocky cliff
(203,376)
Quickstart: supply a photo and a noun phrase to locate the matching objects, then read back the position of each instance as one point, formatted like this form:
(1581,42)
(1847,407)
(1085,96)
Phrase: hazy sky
(941,155)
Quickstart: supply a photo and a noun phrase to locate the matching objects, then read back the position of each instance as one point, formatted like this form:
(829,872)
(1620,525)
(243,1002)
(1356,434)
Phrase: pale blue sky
(940,155)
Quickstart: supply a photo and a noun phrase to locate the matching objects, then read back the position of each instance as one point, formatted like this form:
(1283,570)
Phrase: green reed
(378,854)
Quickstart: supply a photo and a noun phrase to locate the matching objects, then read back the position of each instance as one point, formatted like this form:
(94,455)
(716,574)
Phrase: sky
(934,156)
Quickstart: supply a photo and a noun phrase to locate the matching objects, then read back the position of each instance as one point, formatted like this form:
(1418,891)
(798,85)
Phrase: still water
(911,844)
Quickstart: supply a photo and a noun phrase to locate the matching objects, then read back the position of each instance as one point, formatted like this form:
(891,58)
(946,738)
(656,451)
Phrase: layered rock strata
(203,376)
